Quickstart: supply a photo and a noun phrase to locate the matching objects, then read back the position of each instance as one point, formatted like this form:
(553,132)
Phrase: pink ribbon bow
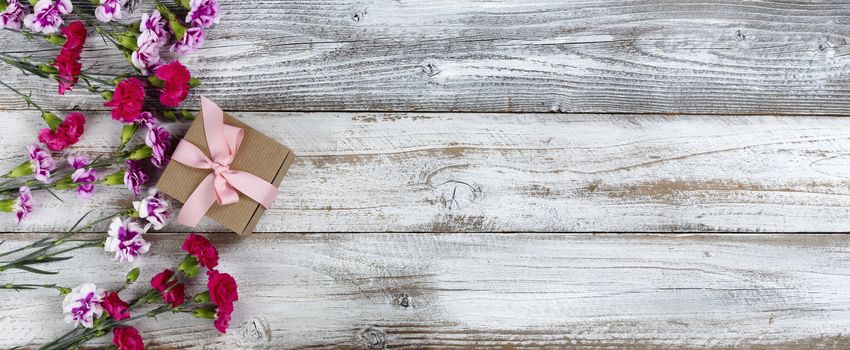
(221,185)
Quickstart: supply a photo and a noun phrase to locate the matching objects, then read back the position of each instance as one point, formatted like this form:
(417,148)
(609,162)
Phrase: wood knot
(740,36)
(457,195)
(402,300)
(256,330)
(430,70)
(373,338)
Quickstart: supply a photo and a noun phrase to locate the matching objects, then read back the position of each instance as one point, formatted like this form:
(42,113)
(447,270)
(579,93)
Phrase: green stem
(32,286)
(26,97)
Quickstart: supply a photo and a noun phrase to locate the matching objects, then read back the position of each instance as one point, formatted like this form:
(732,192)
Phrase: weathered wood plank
(672,56)
(444,172)
(402,290)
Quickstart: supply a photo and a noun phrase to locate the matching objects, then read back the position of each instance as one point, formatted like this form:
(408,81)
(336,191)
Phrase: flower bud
(55,39)
(21,170)
(95,2)
(189,266)
(132,276)
(140,153)
(65,183)
(7,205)
(64,291)
(33,2)
(52,120)
(3,5)
(127,132)
(201,298)
(194,82)
(204,312)
(157,82)
(46,68)
(107,95)
(186,114)
(185,4)
(169,115)
(116,178)
(178,28)
(128,41)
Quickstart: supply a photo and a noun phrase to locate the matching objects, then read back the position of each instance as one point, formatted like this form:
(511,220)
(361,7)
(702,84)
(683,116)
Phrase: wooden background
(504,174)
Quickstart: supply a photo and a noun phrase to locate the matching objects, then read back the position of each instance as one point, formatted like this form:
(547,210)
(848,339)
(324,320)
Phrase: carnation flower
(66,134)
(83,305)
(201,249)
(222,317)
(146,57)
(175,78)
(172,292)
(109,10)
(157,139)
(47,15)
(203,13)
(192,40)
(24,204)
(41,162)
(69,67)
(127,338)
(153,29)
(13,16)
(223,293)
(134,177)
(154,208)
(115,307)
(84,177)
(75,36)
(127,100)
(125,240)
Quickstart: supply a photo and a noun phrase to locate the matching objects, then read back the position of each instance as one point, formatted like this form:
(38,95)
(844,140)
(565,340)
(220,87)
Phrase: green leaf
(80,220)
(33,270)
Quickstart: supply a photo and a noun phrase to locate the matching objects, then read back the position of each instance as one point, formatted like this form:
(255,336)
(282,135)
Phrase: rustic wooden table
(507,174)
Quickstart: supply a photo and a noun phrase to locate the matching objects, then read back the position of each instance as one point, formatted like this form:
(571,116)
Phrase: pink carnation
(47,15)
(13,16)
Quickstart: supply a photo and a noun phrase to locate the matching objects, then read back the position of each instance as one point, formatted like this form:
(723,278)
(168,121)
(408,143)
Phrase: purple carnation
(134,177)
(42,163)
(47,15)
(125,240)
(85,177)
(24,204)
(203,13)
(158,140)
(13,16)
(146,57)
(83,305)
(154,208)
(153,29)
(109,10)
(191,41)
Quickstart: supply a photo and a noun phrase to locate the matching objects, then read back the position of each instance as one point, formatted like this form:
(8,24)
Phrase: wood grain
(445,172)
(671,56)
(406,290)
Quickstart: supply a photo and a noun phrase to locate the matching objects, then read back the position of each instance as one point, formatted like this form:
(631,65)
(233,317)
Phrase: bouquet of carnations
(143,96)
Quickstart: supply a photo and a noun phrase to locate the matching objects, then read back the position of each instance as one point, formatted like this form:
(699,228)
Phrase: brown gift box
(258,154)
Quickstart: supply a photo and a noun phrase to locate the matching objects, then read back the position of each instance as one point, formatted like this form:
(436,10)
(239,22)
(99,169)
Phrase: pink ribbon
(221,185)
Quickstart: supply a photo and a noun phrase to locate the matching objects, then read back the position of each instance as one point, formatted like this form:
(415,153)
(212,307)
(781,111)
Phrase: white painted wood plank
(723,57)
(495,290)
(446,172)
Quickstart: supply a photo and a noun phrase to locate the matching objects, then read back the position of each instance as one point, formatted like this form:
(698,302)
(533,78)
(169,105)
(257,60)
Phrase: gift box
(253,154)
